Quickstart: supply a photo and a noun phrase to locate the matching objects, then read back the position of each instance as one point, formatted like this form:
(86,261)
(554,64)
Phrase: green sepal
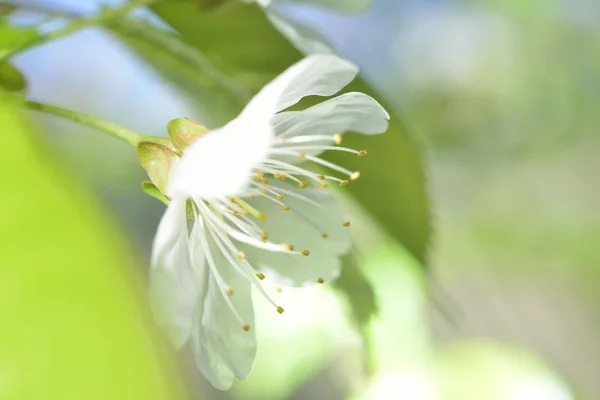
(184,131)
(150,189)
(156,159)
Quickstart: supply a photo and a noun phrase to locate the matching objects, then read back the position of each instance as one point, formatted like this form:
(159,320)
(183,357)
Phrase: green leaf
(238,40)
(11,78)
(12,38)
(358,290)
(74,319)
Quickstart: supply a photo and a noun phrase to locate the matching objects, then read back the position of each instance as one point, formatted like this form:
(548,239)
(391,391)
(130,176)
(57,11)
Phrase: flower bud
(184,131)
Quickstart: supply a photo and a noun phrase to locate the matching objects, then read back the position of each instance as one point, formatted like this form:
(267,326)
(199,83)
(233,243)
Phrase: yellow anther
(302,154)
(252,196)
(355,175)
(260,276)
(344,183)
(265,235)
(280,309)
(286,208)
(321,176)
(302,185)
(265,180)
(229,291)
(320,280)
(362,153)
(232,199)
(258,175)
(246,327)
(283,136)
(324,235)
(280,197)
(278,175)
(241,255)
(324,185)
(346,224)
(305,252)
(288,247)
(337,138)
(278,289)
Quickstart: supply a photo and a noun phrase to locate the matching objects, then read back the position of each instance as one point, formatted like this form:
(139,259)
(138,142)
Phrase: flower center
(223,221)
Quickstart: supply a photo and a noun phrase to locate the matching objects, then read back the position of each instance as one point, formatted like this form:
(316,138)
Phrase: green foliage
(73,322)
(12,38)
(11,79)
(238,40)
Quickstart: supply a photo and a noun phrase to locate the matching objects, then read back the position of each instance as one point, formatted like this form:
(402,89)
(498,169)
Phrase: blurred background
(503,96)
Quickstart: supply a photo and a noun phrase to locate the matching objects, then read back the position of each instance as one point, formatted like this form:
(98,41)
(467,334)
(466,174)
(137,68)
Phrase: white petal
(306,40)
(173,285)
(319,74)
(304,226)
(222,349)
(218,164)
(356,112)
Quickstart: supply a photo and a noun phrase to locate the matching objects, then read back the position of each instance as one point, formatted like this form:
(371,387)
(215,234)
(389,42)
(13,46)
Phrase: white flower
(263,163)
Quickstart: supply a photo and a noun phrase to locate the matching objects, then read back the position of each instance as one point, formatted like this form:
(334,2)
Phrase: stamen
(337,138)
(237,235)
(278,289)
(215,272)
(280,310)
(221,239)
(286,208)
(324,235)
(355,176)
(254,212)
(229,291)
(302,149)
(241,255)
(346,224)
(304,139)
(344,183)
(320,280)
(260,276)
(305,252)
(362,153)
(246,327)
(330,165)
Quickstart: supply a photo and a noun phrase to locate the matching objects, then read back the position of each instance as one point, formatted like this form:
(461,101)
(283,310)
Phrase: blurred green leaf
(74,322)
(11,78)
(215,95)
(358,290)
(239,41)
(12,38)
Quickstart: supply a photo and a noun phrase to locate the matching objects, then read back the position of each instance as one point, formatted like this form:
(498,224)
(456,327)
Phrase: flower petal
(173,285)
(318,74)
(315,225)
(305,39)
(356,112)
(222,348)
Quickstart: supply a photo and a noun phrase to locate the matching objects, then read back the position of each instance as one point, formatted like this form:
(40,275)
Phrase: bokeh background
(503,96)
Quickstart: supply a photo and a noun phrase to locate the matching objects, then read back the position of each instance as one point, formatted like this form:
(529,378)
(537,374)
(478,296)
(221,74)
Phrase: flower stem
(101,17)
(129,136)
